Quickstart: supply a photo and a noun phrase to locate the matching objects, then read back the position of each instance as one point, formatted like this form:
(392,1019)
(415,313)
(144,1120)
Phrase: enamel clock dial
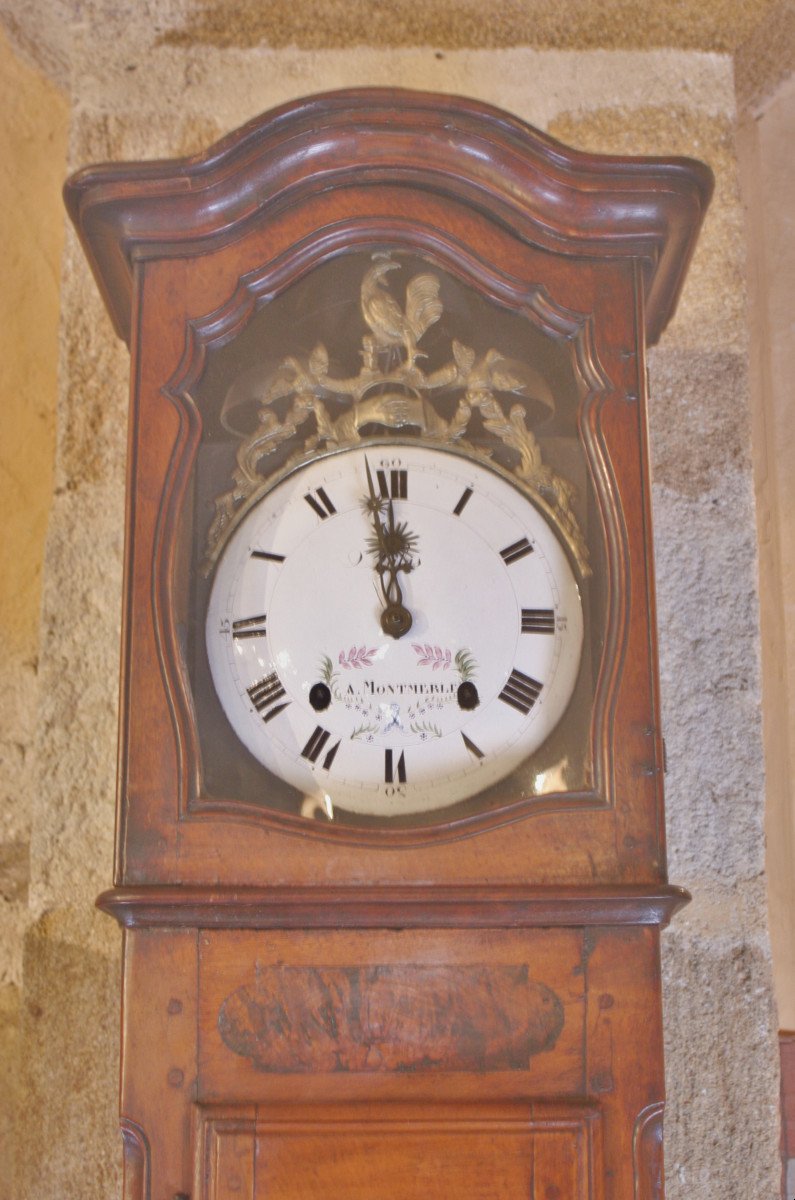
(392,629)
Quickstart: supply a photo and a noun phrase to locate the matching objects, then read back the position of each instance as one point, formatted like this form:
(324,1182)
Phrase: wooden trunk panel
(356,1152)
(298,1048)
(281,1011)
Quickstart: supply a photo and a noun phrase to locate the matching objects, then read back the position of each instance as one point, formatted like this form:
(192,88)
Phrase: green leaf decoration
(426,727)
(327,670)
(363,730)
(466,664)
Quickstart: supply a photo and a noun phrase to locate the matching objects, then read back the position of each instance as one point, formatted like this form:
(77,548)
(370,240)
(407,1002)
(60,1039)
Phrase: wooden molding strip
(390,907)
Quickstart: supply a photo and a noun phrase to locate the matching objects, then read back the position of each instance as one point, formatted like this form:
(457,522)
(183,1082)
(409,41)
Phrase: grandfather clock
(390,858)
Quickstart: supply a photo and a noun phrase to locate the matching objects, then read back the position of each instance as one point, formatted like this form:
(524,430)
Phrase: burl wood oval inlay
(391,1018)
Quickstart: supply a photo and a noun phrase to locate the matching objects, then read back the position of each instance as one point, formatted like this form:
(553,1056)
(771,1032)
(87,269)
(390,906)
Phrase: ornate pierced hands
(391,545)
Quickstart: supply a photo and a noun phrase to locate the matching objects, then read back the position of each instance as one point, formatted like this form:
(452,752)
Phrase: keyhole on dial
(468,697)
(319,696)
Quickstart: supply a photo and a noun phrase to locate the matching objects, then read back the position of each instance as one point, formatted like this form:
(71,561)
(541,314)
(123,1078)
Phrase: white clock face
(392,630)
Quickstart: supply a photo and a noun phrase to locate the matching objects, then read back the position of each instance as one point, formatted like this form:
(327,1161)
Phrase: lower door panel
(418,1151)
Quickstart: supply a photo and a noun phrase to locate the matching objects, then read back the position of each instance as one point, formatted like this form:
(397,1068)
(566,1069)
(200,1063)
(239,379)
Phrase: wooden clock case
(473,1005)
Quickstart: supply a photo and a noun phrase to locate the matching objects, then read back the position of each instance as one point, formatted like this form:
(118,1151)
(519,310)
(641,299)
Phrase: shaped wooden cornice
(560,199)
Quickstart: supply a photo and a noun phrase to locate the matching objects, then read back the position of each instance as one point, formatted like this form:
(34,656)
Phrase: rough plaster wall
(766,57)
(722,1133)
(42,29)
(769,178)
(33,125)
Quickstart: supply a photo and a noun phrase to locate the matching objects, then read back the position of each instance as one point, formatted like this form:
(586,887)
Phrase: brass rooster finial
(392,327)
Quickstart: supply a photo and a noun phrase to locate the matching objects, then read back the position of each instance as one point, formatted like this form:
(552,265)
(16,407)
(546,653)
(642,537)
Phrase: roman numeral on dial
(538,620)
(314,747)
(249,627)
(320,502)
(462,503)
(396,487)
(521,691)
(515,551)
(266,554)
(391,768)
(471,747)
(265,696)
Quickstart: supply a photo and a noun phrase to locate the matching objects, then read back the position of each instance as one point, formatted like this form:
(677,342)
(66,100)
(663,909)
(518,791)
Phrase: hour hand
(391,547)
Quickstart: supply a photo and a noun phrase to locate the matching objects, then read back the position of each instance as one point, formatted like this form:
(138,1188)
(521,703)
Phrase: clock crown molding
(562,200)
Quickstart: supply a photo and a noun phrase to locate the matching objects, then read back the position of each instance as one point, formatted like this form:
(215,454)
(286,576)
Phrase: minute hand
(392,547)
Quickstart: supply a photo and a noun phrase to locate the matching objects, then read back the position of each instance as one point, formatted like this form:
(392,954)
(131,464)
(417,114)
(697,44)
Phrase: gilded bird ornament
(391,326)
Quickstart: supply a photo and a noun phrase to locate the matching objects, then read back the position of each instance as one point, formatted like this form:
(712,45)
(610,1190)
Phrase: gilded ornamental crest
(393,392)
